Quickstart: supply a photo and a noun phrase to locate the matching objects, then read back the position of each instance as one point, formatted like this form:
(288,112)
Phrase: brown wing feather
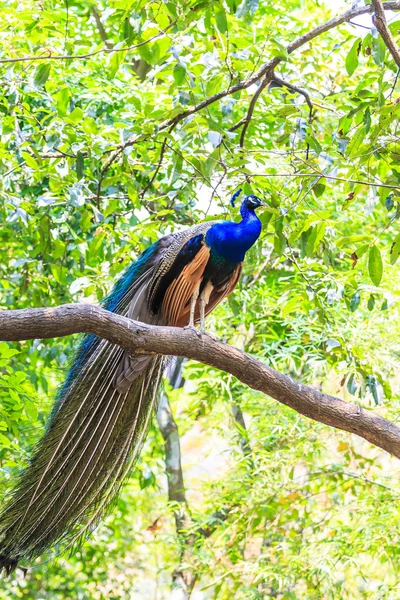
(217,295)
(181,290)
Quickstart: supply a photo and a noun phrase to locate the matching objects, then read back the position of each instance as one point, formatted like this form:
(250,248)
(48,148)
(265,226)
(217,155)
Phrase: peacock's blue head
(251,202)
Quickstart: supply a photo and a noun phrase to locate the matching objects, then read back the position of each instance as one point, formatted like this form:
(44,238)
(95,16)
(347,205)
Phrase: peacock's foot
(193,328)
(210,335)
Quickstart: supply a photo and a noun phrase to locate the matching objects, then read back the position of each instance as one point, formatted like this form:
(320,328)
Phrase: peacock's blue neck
(232,240)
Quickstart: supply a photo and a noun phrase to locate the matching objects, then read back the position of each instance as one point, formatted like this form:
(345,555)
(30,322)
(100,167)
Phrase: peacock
(102,411)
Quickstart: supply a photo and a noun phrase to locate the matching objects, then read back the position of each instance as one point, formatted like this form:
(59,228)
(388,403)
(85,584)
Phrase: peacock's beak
(263,205)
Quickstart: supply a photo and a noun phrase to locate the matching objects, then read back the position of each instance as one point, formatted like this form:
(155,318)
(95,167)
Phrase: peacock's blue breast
(232,240)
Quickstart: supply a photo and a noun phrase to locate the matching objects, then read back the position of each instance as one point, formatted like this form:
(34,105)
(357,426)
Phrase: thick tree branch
(169,431)
(141,338)
(182,580)
(379,20)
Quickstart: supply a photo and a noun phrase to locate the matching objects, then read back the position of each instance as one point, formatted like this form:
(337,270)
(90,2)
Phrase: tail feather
(94,435)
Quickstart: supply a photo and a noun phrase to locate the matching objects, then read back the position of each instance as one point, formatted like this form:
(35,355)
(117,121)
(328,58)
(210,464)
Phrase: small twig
(150,183)
(113,157)
(394,84)
(379,21)
(267,79)
(203,177)
(59,154)
(238,124)
(296,90)
(160,160)
(21,164)
(240,422)
(370,183)
(214,190)
(49,55)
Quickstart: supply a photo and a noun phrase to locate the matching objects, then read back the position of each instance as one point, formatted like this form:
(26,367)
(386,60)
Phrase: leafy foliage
(313,512)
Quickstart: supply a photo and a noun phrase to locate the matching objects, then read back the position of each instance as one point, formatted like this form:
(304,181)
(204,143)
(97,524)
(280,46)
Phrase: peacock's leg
(204,299)
(193,301)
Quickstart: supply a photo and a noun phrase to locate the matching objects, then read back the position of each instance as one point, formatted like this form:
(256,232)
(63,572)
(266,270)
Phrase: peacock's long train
(101,414)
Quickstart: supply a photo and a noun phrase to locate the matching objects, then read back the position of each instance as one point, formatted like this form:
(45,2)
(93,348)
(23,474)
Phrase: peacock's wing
(163,291)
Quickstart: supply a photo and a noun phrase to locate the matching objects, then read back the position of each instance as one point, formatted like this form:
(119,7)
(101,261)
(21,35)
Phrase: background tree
(122,121)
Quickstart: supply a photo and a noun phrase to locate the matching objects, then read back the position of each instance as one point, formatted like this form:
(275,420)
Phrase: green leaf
(318,189)
(128,32)
(314,145)
(279,243)
(30,161)
(280,50)
(367,119)
(356,141)
(42,74)
(371,302)
(247,6)
(352,384)
(6,351)
(57,272)
(375,388)
(221,20)
(352,57)
(395,250)
(116,60)
(295,304)
(355,301)
(378,50)
(4,441)
(146,479)
(375,265)
(62,99)
(179,73)
(76,115)
(172,8)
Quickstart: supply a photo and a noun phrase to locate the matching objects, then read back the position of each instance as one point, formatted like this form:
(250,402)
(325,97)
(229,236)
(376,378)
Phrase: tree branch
(268,67)
(140,338)
(169,431)
(379,20)
(100,27)
(267,79)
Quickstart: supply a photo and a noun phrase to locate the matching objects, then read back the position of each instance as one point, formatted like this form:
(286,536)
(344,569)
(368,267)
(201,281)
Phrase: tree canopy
(122,121)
